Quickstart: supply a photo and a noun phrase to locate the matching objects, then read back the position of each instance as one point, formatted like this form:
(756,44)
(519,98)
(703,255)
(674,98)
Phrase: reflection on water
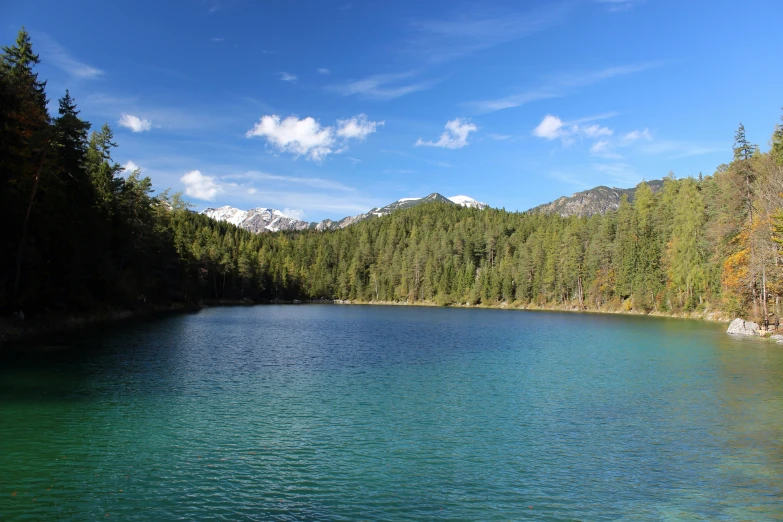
(343,413)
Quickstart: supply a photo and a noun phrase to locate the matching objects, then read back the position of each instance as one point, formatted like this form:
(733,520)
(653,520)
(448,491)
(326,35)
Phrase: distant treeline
(79,234)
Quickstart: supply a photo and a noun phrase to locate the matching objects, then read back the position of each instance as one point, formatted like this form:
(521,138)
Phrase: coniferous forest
(80,234)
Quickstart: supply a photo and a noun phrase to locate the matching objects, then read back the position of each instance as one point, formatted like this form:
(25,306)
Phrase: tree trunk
(23,240)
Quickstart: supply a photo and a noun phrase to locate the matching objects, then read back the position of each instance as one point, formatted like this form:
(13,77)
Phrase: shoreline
(12,331)
(712,316)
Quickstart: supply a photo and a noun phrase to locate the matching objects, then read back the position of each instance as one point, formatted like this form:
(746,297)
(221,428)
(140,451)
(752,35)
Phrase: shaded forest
(81,234)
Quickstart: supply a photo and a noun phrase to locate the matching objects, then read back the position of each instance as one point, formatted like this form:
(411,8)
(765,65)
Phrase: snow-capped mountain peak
(263,219)
(256,219)
(226,213)
(467,201)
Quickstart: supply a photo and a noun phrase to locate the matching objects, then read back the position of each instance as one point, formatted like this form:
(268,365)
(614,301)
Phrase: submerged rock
(742,327)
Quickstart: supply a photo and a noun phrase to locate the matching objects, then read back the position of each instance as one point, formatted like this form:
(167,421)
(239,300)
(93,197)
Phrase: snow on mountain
(467,201)
(226,213)
(259,220)
(256,219)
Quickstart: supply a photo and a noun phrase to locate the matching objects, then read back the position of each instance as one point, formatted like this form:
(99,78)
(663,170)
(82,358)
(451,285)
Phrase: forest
(82,234)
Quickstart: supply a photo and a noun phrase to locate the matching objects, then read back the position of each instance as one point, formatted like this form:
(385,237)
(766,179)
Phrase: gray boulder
(777,338)
(741,327)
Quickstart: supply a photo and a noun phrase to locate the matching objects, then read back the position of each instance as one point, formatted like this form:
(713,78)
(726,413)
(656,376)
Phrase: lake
(325,412)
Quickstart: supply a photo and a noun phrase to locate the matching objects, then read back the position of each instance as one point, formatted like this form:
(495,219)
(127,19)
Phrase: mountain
(256,220)
(598,200)
(259,220)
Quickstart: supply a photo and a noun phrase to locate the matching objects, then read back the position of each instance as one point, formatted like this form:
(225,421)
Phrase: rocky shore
(742,327)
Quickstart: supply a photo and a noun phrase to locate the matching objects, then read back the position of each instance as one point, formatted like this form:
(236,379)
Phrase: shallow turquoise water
(390,413)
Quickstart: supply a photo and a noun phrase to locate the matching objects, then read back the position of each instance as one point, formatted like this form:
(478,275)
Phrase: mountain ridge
(262,219)
(597,200)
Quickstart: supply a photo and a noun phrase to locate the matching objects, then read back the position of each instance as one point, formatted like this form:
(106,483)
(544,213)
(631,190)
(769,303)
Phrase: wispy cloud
(55,54)
(636,135)
(399,171)
(675,149)
(288,77)
(499,137)
(382,86)
(306,137)
(324,71)
(441,164)
(568,179)
(184,119)
(296,196)
(604,149)
(615,6)
(509,102)
(319,183)
(218,39)
(622,173)
(558,87)
(472,31)
(455,136)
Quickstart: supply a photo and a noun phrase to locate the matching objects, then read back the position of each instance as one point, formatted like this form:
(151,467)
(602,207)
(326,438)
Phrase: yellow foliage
(735,269)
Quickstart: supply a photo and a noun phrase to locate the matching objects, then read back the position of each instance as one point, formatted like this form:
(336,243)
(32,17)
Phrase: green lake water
(320,412)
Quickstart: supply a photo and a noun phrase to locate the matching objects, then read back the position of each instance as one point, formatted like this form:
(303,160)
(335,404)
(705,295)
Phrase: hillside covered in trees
(80,234)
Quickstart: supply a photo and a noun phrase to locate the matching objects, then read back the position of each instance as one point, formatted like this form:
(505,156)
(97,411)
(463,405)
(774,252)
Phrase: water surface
(390,413)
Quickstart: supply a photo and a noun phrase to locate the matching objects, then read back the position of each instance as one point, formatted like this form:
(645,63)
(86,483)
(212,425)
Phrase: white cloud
(288,77)
(500,137)
(552,127)
(455,137)
(307,138)
(382,86)
(217,39)
(54,53)
(324,71)
(358,127)
(135,123)
(130,167)
(200,186)
(251,191)
(303,137)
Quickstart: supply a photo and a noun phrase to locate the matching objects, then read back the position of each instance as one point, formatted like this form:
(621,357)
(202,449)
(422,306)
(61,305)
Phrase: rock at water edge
(741,327)
(777,338)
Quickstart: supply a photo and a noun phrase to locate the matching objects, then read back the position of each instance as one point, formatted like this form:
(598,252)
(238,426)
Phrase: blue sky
(328,108)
